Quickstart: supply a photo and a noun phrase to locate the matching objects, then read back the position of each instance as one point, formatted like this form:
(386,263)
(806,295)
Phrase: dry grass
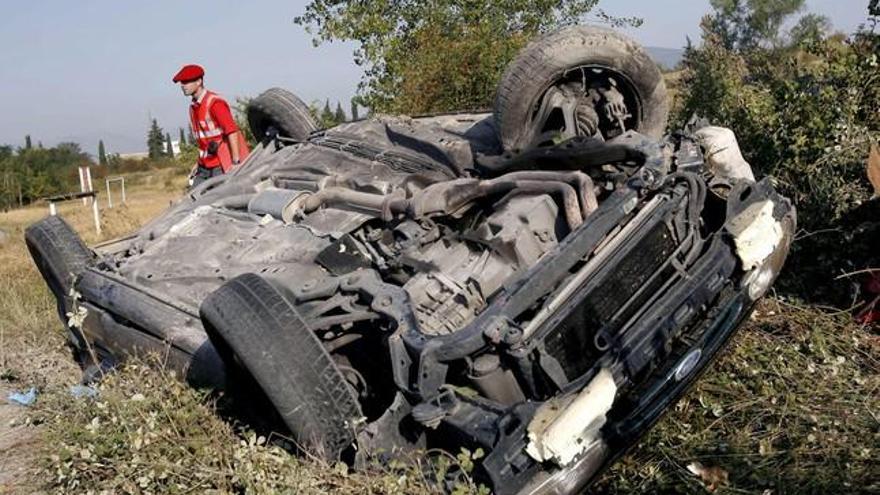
(792,407)
(146,432)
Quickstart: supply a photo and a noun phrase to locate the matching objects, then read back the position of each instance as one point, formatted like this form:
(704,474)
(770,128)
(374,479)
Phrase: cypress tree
(155,141)
(340,113)
(102,153)
(327,116)
(354,109)
(169,150)
(182,137)
(27,142)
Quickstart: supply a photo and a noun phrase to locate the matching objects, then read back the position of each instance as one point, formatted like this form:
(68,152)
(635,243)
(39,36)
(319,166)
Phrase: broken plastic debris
(561,430)
(83,391)
(23,399)
(723,154)
(756,233)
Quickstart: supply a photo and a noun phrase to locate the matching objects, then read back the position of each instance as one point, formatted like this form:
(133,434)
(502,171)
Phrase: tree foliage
(34,173)
(748,24)
(102,153)
(433,56)
(327,118)
(354,109)
(155,141)
(339,114)
(804,110)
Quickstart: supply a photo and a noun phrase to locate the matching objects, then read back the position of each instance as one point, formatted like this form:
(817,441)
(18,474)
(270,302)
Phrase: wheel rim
(588,100)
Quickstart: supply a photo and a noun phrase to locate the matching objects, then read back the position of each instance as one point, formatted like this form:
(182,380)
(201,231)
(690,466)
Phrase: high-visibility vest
(206,131)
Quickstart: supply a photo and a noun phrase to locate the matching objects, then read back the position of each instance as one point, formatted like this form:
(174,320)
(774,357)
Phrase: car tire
(547,59)
(60,256)
(250,323)
(282,111)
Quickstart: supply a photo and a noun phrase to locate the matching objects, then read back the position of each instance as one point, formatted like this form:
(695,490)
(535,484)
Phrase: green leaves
(802,112)
(422,57)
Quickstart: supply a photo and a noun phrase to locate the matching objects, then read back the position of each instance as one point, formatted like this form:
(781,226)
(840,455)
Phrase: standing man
(221,144)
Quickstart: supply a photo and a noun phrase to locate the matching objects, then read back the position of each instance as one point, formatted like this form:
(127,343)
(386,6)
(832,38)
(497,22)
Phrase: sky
(100,69)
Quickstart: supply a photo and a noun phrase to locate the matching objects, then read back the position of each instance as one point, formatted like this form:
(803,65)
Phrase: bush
(805,114)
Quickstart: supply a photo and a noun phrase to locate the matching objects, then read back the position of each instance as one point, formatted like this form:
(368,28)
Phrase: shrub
(804,113)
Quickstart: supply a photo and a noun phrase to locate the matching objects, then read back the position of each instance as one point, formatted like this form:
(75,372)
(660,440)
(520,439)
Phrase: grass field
(793,406)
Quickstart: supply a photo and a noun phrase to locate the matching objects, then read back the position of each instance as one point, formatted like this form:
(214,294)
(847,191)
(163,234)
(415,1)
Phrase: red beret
(189,73)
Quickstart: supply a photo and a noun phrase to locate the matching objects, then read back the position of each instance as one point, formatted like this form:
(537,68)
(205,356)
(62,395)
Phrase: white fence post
(95,214)
(110,180)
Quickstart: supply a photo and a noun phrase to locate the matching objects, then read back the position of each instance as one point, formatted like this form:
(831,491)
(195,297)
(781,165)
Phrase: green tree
(354,109)
(432,56)
(749,24)
(811,28)
(804,110)
(27,142)
(339,115)
(155,141)
(182,138)
(169,150)
(102,153)
(328,118)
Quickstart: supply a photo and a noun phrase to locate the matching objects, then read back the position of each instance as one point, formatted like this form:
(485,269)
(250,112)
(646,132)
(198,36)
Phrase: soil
(19,447)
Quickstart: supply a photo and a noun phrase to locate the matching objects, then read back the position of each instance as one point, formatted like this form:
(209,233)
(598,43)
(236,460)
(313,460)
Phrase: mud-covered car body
(544,306)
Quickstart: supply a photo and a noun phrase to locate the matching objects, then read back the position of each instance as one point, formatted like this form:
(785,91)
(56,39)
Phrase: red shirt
(220,112)
(212,123)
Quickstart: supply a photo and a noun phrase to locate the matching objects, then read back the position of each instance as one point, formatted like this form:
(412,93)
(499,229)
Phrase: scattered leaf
(711,476)
(874,169)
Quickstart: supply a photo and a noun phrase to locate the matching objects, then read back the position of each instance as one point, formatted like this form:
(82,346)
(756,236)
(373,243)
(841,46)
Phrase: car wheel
(580,80)
(279,111)
(250,323)
(60,256)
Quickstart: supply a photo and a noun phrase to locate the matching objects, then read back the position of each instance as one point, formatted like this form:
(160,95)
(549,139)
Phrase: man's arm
(223,116)
(233,146)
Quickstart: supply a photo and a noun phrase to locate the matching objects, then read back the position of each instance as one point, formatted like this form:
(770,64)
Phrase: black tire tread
(58,252)
(284,110)
(294,370)
(550,56)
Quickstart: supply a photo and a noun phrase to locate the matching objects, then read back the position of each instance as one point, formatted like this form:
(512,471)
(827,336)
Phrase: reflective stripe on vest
(210,134)
(206,130)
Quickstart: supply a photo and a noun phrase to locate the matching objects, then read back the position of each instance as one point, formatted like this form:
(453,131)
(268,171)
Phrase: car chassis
(568,362)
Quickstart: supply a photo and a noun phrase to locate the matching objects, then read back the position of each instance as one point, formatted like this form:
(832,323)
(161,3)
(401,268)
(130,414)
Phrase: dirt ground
(18,448)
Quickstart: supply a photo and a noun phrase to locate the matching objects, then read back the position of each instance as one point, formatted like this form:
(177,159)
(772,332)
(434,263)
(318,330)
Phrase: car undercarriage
(397,283)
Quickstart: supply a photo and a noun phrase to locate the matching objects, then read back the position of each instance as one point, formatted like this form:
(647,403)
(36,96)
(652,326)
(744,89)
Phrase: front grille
(571,343)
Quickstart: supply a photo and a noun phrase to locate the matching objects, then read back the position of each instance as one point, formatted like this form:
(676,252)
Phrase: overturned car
(540,282)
